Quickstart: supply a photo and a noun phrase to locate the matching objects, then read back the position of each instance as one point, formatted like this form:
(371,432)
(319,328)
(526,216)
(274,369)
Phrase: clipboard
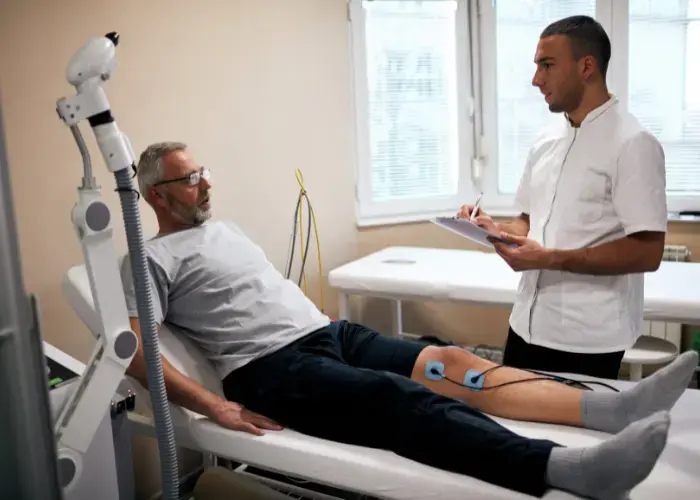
(469,230)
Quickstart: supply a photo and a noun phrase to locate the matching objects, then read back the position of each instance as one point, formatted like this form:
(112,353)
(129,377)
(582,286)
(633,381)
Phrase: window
(445,105)
(664,88)
(410,72)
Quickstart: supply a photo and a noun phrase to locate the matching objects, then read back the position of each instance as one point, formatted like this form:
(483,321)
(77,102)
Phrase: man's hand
(525,255)
(487,223)
(234,416)
(189,394)
(465,212)
(480,218)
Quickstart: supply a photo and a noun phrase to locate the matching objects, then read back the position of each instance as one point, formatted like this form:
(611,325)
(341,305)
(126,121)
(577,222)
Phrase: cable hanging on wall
(304,247)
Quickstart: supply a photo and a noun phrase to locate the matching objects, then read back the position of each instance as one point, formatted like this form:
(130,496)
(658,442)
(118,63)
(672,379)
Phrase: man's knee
(449,360)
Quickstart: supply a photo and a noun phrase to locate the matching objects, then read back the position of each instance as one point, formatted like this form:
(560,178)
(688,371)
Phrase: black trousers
(349,384)
(520,354)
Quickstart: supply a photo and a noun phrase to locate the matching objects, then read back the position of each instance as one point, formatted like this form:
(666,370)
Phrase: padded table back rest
(179,350)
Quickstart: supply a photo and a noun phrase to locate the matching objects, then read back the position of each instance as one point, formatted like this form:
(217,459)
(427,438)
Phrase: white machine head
(95,59)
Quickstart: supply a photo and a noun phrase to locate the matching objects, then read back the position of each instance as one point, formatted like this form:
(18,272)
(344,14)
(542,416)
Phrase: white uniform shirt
(583,187)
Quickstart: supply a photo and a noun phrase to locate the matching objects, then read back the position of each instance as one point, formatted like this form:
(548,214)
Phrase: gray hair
(150,166)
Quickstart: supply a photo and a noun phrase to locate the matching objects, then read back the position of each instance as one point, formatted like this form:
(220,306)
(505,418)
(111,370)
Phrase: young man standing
(593,215)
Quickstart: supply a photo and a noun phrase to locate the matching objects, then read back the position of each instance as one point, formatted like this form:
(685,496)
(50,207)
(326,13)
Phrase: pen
(476,206)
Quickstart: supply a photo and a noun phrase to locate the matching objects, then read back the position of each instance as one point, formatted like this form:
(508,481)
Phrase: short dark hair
(588,38)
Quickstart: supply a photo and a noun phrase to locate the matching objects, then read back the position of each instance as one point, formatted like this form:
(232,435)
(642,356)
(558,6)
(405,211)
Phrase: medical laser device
(90,67)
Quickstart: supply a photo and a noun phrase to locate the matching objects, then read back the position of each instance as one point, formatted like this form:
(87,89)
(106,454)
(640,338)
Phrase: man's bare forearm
(182,390)
(520,226)
(623,256)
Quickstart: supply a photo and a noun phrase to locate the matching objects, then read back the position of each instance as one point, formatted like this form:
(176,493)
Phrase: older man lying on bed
(281,360)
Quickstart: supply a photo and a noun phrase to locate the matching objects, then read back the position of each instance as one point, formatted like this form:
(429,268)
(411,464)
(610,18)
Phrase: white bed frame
(377,473)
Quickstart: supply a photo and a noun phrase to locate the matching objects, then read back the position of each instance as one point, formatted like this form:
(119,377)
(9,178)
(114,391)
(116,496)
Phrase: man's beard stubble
(188,215)
(569,102)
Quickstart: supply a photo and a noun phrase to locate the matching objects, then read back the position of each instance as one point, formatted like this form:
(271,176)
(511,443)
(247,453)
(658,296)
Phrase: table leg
(397,320)
(635,372)
(343,306)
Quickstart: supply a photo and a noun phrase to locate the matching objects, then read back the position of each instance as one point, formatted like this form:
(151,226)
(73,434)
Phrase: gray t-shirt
(217,287)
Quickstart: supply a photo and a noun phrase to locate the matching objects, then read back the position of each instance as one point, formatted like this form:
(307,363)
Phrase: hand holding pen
(475,215)
(471,212)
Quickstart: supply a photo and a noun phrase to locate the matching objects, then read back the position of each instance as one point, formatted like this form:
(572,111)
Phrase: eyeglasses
(192,179)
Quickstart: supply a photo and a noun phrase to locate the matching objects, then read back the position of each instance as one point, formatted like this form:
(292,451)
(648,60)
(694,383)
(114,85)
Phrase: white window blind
(664,85)
(521,112)
(407,79)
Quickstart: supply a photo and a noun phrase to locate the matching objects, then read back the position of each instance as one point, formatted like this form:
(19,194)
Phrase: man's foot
(612,411)
(611,469)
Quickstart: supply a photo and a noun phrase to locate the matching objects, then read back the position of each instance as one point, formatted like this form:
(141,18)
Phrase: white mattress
(381,473)
(671,293)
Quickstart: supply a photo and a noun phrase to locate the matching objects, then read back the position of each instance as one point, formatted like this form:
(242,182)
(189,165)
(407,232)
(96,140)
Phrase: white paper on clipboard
(468,230)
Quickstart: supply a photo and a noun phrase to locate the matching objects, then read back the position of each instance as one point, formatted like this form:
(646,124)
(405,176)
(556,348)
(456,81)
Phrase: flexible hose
(88,178)
(154,369)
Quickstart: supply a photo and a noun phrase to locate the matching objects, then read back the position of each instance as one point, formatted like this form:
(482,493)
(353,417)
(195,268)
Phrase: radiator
(664,330)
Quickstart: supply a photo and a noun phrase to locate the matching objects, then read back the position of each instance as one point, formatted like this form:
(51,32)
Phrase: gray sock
(612,468)
(613,411)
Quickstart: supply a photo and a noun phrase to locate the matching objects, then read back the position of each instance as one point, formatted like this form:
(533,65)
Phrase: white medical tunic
(582,187)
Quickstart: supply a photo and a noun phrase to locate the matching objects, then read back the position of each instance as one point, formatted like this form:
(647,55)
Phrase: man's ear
(588,66)
(157,197)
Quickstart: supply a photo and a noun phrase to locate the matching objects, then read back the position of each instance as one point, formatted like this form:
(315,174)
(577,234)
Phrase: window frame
(369,212)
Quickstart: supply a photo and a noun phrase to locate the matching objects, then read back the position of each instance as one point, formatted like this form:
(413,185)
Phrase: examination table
(379,473)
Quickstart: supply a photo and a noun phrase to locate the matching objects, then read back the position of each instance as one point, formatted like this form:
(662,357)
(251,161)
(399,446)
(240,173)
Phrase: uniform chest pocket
(591,192)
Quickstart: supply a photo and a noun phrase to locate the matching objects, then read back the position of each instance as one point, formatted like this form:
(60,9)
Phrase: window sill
(395,220)
(676,217)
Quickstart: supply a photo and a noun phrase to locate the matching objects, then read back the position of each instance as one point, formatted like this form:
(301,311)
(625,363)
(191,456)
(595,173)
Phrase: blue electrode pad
(474,380)
(434,370)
